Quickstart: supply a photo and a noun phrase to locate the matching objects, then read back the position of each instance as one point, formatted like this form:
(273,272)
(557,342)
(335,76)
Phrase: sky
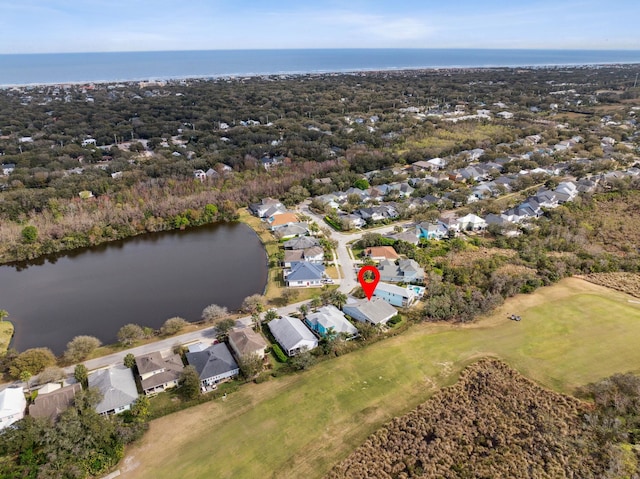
(61,26)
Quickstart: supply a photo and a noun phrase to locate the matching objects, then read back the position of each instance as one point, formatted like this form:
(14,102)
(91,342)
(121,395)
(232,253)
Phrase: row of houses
(214,363)
(295,335)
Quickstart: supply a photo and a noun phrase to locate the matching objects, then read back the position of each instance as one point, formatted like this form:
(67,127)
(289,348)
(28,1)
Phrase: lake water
(23,69)
(143,280)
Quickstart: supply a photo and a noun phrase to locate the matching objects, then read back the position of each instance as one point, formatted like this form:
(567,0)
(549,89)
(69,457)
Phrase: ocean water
(125,66)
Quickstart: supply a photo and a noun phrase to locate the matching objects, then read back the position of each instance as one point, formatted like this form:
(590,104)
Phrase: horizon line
(330,48)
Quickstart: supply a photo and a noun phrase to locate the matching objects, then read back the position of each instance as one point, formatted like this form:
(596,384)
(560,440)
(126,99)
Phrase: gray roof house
(213,364)
(330,318)
(406,271)
(158,373)
(261,209)
(292,335)
(118,388)
(376,311)
(301,243)
(304,274)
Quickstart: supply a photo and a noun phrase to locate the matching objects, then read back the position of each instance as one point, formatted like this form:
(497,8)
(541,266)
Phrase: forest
(91,163)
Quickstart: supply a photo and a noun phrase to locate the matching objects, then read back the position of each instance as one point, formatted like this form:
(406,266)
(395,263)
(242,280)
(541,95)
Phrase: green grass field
(300,426)
(6,333)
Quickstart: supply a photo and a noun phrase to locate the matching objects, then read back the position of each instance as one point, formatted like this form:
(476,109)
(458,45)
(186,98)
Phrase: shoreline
(376,65)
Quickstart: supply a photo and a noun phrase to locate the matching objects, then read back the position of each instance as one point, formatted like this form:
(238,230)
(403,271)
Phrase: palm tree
(338,299)
(304,309)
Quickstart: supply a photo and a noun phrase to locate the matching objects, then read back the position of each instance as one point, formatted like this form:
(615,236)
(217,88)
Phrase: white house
(304,274)
(292,335)
(118,388)
(12,406)
(472,222)
(395,295)
(376,311)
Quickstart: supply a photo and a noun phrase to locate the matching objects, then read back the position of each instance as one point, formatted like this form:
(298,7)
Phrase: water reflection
(142,280)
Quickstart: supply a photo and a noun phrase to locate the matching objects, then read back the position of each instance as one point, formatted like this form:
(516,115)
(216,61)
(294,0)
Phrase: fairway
(300,426)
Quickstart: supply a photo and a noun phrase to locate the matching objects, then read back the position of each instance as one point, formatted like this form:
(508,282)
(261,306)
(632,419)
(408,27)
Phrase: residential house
(395,295)
(472,222)
(566,191)
(118,388)
(450,222)
(423,166)
(410,236)
(246,341)
(329,318)
(406,271)
(482,191)
(438,163)
(268,162)
(292,335)
(402,189)
(331,200)
(379,253)
(302,242)
(213,364)
(260,209)
(432,230)
(304,274)
(546,198)
(353,221)
(12,406)
(363,195)
(158,374)
(51,405)
(377,311)
(199,175)
(500,220)
(292,230)
(315,255)
(281,220)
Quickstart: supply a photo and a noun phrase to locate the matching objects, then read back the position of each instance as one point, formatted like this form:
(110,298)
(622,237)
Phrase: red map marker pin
(369,286)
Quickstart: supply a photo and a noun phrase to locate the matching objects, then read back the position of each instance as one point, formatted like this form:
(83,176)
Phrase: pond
(143,280)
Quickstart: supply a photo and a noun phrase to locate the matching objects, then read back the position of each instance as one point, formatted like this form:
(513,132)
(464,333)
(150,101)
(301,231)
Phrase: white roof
(117,385)
(332,317)
(393,289)
(12,402)
(376,311)
(289,332)
(470,218)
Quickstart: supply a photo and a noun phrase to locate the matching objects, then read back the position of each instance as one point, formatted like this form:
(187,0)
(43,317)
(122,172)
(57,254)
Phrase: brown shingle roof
(382,252)
(53,404)
(246,341)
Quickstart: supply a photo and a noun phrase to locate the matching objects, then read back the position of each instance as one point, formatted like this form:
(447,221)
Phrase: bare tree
(213,312)
(253,303)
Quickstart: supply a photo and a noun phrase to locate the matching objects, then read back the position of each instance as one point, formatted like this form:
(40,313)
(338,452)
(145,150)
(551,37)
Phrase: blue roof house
(304,274)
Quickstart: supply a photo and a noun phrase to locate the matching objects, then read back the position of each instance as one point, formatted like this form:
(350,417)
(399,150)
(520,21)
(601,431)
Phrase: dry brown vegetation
(626,282)
(613,221)
(493,423)
(471,255)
